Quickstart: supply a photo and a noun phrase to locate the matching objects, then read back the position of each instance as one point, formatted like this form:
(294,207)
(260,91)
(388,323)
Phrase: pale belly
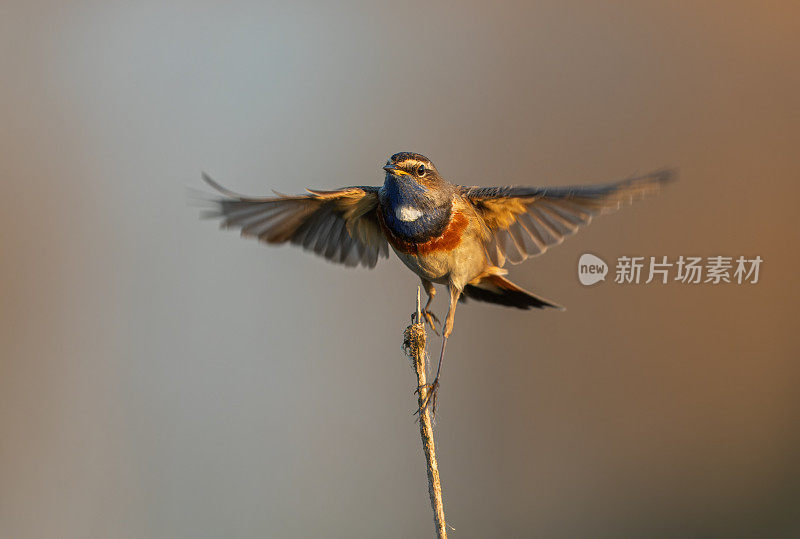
(460,265)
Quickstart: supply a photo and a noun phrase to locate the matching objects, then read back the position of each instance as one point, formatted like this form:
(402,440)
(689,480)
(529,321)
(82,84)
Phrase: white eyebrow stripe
(407,213)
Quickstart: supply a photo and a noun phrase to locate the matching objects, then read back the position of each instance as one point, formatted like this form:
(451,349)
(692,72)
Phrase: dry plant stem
(415,347)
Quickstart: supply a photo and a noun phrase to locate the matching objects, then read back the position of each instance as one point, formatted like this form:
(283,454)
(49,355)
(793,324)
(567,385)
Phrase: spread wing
(341,225)
(523,222)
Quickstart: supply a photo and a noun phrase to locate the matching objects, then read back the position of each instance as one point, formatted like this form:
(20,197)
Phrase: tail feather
(498,289)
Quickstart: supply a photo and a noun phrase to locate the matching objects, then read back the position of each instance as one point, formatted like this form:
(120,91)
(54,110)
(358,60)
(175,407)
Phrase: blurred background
(160,378)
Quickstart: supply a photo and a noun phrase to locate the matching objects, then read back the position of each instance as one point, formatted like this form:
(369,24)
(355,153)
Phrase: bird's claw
(429,318)
(430,397)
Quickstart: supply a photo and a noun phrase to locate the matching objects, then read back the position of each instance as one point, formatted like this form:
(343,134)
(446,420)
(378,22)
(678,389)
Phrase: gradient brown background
(162,379)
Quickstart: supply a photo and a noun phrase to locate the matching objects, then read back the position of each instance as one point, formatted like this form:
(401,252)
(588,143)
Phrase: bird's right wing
(522,222)
(340,225)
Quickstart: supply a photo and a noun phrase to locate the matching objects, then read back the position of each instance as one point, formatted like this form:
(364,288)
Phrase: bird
(447,234)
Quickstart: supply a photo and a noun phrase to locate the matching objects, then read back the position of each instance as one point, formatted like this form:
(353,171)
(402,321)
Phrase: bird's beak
(392,169)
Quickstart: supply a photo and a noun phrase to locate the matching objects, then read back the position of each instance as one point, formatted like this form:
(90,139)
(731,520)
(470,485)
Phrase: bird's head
(413,172)
(412,166)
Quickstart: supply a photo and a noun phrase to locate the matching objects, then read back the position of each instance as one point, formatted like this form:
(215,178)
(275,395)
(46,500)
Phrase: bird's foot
(431,390)
(429,318)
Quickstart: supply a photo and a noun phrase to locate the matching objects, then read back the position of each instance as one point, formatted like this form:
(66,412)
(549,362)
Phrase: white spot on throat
(407,213)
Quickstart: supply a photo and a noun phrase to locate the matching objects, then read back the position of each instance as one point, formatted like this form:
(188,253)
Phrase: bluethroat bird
(446,233)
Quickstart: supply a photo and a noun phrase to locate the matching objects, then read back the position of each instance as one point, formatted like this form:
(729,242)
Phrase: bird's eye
(421,171)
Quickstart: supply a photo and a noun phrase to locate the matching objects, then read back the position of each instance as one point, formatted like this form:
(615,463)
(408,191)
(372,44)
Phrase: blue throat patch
(398,193)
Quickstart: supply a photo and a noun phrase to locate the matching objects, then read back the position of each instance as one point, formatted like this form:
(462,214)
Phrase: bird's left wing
(340,225)
(522,222)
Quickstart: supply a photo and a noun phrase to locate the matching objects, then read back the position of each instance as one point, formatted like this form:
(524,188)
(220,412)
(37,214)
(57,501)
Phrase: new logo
(591,269)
